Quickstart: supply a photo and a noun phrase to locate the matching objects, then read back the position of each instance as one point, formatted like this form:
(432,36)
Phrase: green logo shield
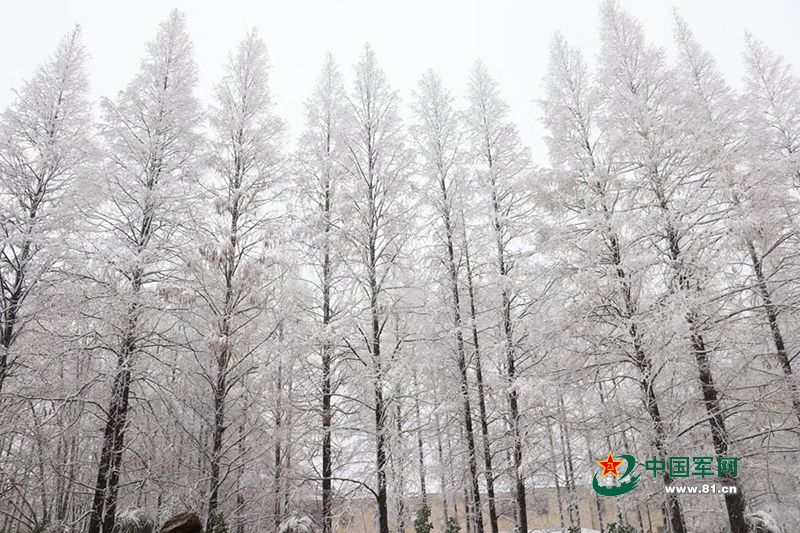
(624,487)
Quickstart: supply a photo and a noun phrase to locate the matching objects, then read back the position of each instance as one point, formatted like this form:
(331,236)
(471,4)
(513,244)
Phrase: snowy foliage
(762,522)
(134,521)
(296,524)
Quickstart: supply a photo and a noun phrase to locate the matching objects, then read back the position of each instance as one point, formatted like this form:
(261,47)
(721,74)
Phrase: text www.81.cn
(706,488)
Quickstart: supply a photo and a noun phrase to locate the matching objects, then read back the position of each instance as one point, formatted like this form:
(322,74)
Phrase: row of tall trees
(198,314)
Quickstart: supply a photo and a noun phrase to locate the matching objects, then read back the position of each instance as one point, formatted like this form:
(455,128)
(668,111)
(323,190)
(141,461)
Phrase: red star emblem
(610,466)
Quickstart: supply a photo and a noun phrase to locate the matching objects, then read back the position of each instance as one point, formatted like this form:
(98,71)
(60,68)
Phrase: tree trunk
(420,448)
(484,421)
(569,475)
(597,504)
(327,349)
(240,477)
(380,408)
(511,371)
(278,460)
(105,496)
(771,311)
(461,356)
(445,512)
(216,447)
(401,480)
(104,505)
(734,502)
(645,367)
(555,479)
(327,471)
(719,435)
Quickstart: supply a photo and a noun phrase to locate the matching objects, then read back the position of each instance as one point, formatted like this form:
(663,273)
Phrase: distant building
(543,513)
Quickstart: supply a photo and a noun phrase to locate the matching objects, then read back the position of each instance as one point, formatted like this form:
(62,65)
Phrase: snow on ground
(583,530)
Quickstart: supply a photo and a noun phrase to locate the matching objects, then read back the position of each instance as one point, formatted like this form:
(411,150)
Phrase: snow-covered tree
(441,144)
(45,147)
(235,233)
(677,195)
(588,177)
(378,167)
(150,142)
(769,230)
(502,166)
(322,170)
(45,139)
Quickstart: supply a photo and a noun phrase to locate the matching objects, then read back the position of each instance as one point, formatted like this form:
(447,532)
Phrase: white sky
(511,37)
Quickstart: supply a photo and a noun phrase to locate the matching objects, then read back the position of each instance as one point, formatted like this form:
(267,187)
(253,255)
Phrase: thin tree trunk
(220,389)
(420,447)
(566,457)
(43,498)
(628,451)
(511,370)
(771,311)
(468,508)
(380,422)
(461,353)
(644,365)
(555,479)
(327,349)
(597,504)
(735,503)
(216,447)
(278,475)
(442,466)
(239,478)
(401,501)
(484,421)
(327,414)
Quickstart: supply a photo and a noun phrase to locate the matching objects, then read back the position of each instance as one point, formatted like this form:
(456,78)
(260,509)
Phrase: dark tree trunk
(104,504)
(240,477)
(327,349)
(103,516)
(484,420)
(771,311)
(597,503)
(420,448)
(279,452)
(327,470)
(555,480)
(569,474)
(216,446)
(455,294)
(477,514)
(401,480)
(380,409)
(380,461)
(735,503)
(511,370)
(445,512)
(220,388)
(644,365)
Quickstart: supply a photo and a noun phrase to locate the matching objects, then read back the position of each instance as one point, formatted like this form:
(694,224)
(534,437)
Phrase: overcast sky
(510,36)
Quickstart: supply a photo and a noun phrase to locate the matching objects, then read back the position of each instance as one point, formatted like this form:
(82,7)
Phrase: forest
(399,306)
